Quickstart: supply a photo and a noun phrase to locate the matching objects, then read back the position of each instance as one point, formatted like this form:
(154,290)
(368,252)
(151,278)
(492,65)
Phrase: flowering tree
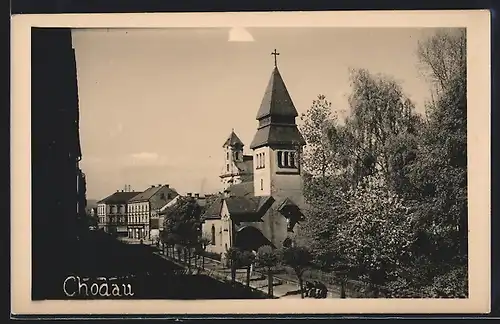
(377,233)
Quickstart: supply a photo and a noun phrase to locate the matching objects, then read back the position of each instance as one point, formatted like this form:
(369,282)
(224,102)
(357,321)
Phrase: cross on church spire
(275,53)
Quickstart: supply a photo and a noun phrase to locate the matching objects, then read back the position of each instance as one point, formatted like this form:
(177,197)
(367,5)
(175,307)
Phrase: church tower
(278,143)
(235,163)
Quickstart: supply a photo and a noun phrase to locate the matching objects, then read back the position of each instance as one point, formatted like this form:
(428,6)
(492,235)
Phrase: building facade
(141,207)
(112,213)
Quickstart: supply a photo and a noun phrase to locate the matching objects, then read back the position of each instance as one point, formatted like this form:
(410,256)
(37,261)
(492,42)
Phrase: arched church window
(292,160)
(213,235)
(285,158)
(263,160)
(280,159)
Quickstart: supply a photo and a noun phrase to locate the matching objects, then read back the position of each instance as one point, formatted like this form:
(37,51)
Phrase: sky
(156,105)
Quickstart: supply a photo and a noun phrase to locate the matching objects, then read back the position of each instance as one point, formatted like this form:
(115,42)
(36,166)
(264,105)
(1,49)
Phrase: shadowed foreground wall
(55,152)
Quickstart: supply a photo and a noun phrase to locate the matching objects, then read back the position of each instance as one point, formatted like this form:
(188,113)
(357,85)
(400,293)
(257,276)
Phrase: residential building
(141,207)
(112,212)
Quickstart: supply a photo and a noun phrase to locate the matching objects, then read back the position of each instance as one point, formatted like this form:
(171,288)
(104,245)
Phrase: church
(263,202)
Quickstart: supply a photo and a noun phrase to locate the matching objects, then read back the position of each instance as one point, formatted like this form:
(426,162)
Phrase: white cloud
(240,34)
(145,156)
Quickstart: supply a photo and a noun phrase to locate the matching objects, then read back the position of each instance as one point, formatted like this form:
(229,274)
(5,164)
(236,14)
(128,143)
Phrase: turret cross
(275,57)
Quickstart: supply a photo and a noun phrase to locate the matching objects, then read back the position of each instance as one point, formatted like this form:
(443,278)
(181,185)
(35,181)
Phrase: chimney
(197,195)
(152,186)
(167,185)
(159,185)
(189,194)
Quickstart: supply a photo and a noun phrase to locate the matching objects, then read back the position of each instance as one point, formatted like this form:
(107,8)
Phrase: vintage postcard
(311,162)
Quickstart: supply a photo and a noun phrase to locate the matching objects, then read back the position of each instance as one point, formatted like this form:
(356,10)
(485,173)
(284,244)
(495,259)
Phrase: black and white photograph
(252,162)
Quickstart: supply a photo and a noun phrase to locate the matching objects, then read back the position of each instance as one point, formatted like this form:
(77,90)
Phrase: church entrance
(249,238)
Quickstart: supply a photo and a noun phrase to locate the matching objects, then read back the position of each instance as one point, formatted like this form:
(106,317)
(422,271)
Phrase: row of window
(113,220)
(137,219)
(287,159)
(138,208)
(123,220)
(116,209)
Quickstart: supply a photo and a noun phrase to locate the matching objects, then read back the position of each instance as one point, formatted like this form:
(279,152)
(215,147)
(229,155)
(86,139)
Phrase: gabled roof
(233,140)
(276,100)
(241,189)
(119,197)
(213,209)
(248,209)
(147,194)
(162,197)
(290,210)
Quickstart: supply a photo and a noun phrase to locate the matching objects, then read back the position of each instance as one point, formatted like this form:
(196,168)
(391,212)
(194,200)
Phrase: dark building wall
(55,155)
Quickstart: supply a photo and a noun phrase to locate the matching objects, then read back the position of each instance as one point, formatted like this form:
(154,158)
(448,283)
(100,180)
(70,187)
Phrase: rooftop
(119,197)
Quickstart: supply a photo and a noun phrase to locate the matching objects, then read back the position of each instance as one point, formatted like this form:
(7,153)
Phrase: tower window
(287,159)
(260,160)
(213,235)
(227,155)
(227,167)
(280,159)
(261,184)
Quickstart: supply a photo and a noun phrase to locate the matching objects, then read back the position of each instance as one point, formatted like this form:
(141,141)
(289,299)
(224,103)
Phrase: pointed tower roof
(276,100)
(233,140)
(276,116)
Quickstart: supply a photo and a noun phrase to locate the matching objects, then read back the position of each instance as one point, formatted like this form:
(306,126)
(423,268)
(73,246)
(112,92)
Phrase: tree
(268,258)
(317,123)
(298,258)
(247,258)
(183,224)
(204,241)
(233,258)
(377,235)
(380,111)
(443,57)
